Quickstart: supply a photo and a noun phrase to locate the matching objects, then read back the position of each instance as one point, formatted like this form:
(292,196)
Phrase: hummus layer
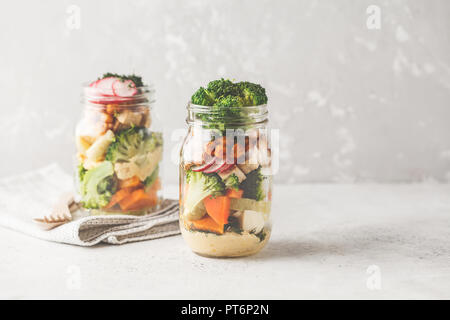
(229,244)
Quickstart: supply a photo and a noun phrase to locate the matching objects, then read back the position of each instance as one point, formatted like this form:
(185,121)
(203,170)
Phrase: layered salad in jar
(225,171)
(118,153)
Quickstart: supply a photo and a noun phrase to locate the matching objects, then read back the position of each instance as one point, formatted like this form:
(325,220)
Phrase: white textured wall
(352,104)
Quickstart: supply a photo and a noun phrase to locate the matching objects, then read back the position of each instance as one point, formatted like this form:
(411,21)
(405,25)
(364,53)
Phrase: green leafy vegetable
(81,172)
(98,185)
(200,186)
(261,235)
(136,79)
(228,101)
(132,142)
(232,182)
(223,88)
(202,97)
(151,178)
(253,94)
(233,225)
(253,185)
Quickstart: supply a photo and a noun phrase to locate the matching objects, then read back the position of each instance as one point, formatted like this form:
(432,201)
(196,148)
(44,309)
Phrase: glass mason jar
(226,181)
(119,153)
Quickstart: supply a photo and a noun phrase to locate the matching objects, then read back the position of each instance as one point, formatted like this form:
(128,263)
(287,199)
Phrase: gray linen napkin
(32,194)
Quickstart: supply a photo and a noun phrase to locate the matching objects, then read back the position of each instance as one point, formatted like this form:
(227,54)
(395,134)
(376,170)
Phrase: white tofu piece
(251,221)
(129,118)
(248,167)
(239,174)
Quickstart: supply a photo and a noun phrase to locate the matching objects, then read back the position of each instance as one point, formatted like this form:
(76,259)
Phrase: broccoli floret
(232,182)
(202,97)
(131,142)
(136,79)
(253,185)
(98,186)
(230,102)
(200,186)
(253,94)
(151,178)
(223,88)
(81,172)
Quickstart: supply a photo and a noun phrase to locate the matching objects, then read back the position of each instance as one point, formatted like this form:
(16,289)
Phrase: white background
(352,104)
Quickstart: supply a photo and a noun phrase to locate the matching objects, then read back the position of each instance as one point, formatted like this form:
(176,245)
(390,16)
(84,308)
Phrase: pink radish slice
(94,84)
(227,167)
(215,167)
(105,86)
(203,167)
(125,88)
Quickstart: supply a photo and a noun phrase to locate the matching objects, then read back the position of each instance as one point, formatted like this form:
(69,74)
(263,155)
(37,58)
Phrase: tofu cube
(248,167)
(129,118)
(239,174)
(251,221)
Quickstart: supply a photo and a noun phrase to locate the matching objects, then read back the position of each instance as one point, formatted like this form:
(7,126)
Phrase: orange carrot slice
(117,197)
(129,183)
(218,208)
(137,200)
(232,193)
(207,224)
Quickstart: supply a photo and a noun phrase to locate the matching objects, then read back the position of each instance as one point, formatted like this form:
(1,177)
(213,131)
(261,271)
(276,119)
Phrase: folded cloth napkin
(31,195)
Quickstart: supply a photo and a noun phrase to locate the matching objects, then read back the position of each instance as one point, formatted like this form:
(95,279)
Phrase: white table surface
(328,241)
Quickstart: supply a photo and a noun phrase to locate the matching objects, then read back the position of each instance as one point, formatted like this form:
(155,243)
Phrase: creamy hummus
(229,244)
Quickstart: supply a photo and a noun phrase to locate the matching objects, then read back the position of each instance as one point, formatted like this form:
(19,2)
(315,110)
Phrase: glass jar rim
(201,107)
(253,115)
(93,97)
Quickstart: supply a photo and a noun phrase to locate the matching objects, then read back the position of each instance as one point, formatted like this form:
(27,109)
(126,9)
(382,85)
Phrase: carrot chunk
(232,193)
(218,208)
(117,197)
(207,224)
(129,183)
(137,200)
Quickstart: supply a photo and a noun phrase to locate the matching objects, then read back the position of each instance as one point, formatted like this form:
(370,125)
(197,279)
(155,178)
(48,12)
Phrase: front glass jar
(119,151)
(226,181)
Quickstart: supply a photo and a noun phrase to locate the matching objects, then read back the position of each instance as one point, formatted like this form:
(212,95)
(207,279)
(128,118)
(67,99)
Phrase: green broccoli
(253,94)
(131,142)
(98,186)
(81,172)
(228,101)
(232,182)
(148,182)
(253,185)
(201,185)
(223,88)
(202,97)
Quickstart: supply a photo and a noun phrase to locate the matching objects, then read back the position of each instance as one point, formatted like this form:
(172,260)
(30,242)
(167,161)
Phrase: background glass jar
(226,181)
(119,152)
